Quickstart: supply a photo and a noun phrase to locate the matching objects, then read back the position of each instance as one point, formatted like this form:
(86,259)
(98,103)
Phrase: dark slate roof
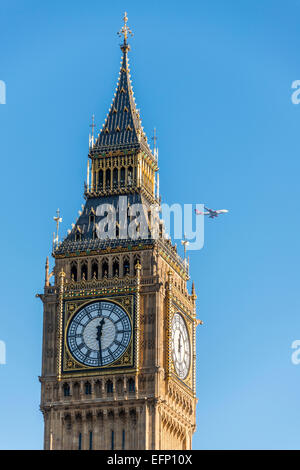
(88,243)
(69,244)
(122,129)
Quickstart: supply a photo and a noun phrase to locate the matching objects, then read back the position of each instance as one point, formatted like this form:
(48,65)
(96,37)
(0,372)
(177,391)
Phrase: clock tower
(118,359)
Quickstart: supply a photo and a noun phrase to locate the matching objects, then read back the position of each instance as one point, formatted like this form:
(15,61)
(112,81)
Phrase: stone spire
(122,129)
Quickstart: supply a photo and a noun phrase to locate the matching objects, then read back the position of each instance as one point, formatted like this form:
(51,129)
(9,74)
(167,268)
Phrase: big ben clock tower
(118,362)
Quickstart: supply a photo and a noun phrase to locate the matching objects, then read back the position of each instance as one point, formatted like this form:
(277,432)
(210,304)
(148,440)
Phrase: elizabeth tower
(118,360)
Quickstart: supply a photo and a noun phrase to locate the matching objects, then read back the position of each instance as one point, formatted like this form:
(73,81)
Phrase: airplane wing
(207,209)
(201,213)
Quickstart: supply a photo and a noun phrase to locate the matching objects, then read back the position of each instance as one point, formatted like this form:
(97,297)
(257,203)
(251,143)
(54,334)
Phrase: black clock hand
(98,337)
(179,344)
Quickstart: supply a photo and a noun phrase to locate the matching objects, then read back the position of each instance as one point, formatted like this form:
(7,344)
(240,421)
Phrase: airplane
(211,212)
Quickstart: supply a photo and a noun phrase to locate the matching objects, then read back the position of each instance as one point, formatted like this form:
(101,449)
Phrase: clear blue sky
(215,79)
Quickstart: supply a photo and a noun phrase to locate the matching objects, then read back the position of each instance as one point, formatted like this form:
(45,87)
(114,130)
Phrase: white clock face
(180,346)
(99,334)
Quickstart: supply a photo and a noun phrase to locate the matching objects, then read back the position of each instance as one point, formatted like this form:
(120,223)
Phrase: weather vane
(93,125)
(125,30)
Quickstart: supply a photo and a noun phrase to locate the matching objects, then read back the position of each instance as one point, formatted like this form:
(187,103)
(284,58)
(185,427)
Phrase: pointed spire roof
(122,129)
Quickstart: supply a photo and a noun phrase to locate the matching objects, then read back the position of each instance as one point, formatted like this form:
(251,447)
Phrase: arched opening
(77,236)
(105,269)
(119,386)
(98,389)
(74,272)
(94,174)
(76,390)
(100,180)
(88,388)
(66,390)
(92,218)
(95,269)
(131,385)
(130,176)
(84,271)
(107,179)
(122,176)
(126,266)
(109,387)
(116,268)
(115,178)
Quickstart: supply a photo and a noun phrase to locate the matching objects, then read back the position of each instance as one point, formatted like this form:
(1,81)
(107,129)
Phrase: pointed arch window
(74,272)
(130,176)
(100,180)
(109,387)
(107,179)
(116,267)
(131,385)
(92,217)
(66,390)
(104,268)
(126,266)
(77,236)
(76,390)
(122,176)
(84,271)
(115,178)
(88,388)
(95,269)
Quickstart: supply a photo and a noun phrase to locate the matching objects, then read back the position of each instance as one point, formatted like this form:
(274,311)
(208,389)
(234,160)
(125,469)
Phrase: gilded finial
(58,220)
(193,295)
(91,136)
(124,31)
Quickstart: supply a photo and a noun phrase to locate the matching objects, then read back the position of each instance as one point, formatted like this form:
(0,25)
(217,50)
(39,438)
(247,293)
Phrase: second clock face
(99,334)
(180,346)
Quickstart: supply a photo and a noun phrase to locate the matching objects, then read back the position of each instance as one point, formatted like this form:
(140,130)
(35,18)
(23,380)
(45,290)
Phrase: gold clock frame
(69,365)
(178,311)
(188,380)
